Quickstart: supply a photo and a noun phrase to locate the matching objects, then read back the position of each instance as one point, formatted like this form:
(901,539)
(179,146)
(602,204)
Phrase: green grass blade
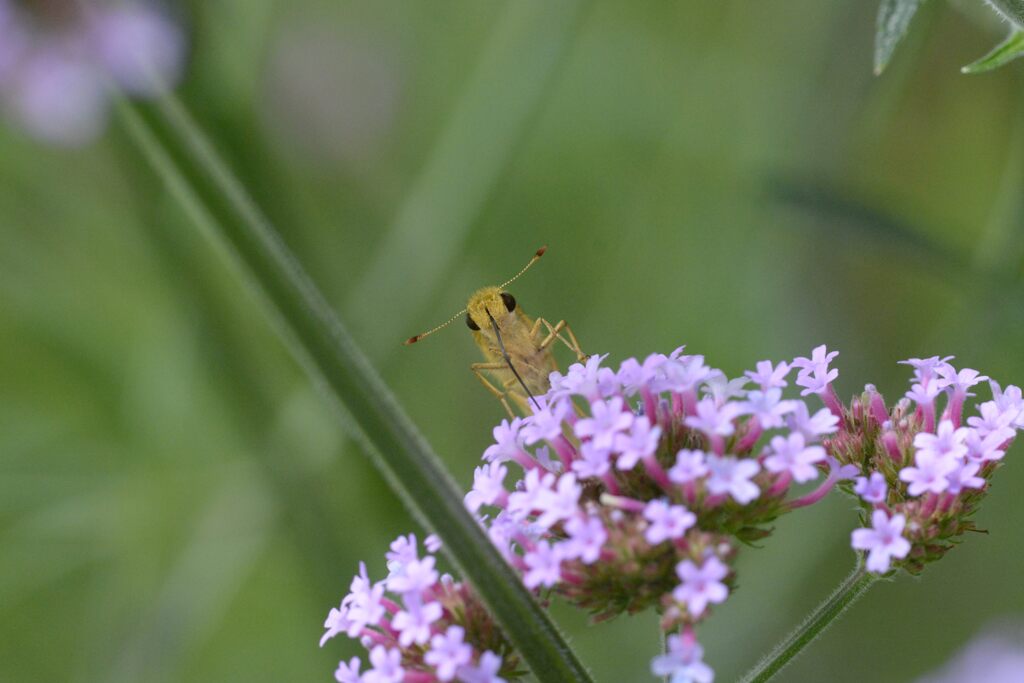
(890,27)
(1001,54)
(183,157)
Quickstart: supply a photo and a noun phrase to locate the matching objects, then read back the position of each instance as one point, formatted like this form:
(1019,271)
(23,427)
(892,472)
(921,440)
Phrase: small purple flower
(683,374)
(54,76)
(689,466)
(683,662)
(959,381)
(502,531)
(559,503)
(873,489)
(544,565)
(983,449)
(701,585)
(812,427)
(769,376)
(488,486)
(531,497)
(820,358)
(714,419)
(590,381)
(586,538)
(508,442)
(721,389)
(994,418)
(1011,399)
(608,419)
(732,475)
(929,472)
(448,652)
(925,369)
(432,543)
(964,476)
(641,441)
(545,424)
(58,96)
(413,623)
(486,670)
(593,461)
(416,575)
(140,47)
(337,621)
(348,673)
(816,380)
(883,542)
(666,521)
(947,441)
(401,551)
(364,603)
(815,374)
(924,394)
(791,454)
(768,407)
(633,376)
(387,666)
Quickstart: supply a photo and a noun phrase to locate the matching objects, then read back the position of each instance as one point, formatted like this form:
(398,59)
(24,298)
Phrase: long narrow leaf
(890,27)
(183,157)
(1004,52)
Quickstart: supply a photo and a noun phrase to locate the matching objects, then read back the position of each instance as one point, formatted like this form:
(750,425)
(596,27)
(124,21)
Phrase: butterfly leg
(479,369)
(554,332)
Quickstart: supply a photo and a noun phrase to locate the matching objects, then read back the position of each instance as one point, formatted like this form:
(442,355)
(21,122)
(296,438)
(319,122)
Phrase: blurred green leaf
(1004,52)
(1012,10)
(209,192)
(890,26)
(847,217)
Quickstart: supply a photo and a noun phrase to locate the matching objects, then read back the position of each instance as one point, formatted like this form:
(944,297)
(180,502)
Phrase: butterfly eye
(471,324)
(510,301)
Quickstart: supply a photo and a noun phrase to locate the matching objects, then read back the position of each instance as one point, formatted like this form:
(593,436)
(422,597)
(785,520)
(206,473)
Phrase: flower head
(53,75)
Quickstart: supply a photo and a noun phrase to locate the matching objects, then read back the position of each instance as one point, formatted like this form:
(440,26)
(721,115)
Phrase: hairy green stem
(1012,10)
(852,588)
(211,195)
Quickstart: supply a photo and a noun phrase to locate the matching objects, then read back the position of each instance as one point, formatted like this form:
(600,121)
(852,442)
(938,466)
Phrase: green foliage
(1006,51)
(891,26)
(193,172)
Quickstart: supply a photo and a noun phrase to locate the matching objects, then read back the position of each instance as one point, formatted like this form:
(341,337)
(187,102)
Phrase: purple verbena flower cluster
(640,483)
(419,626)
(923,470)
(55,60)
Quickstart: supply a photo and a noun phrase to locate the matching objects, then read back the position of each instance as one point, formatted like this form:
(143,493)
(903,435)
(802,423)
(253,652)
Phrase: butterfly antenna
(446,323)
(536,257)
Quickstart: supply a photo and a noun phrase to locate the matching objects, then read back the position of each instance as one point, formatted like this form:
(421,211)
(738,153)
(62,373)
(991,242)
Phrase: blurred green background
(177,503)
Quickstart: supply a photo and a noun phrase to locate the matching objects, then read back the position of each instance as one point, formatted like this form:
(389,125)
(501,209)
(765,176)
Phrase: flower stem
(852,587)
(185,159)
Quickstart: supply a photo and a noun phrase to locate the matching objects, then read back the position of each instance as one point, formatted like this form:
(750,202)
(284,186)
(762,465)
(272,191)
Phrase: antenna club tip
(411,340)
(540,252)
